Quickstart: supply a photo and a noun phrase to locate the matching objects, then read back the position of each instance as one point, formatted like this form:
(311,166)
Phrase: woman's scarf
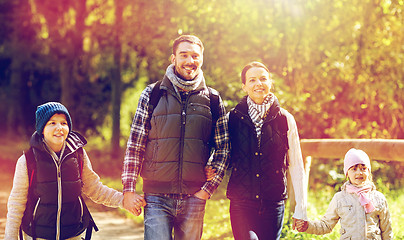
(187,85)
(363,194)
(258,112)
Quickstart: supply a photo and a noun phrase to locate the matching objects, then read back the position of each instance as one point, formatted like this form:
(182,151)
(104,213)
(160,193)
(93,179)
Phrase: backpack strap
(80,157)
(154,99)
(214,108)
(91,224)
(31,170)
(31,166)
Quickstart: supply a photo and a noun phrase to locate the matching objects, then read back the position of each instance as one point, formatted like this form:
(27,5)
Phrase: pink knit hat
(355,156)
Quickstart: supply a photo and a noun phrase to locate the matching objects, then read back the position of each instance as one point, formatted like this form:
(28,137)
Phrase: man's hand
(202,194)
(133,202)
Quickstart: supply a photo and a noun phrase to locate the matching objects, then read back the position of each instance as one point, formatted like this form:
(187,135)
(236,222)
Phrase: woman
(265,144)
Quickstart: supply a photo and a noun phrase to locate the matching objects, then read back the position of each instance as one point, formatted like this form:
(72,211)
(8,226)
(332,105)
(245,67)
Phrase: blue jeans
(163,214)
(255,219)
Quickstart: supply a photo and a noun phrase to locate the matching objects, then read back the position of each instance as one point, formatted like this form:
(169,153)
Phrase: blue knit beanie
(45,111)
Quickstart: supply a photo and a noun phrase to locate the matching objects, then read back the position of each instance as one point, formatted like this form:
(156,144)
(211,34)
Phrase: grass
(217,218)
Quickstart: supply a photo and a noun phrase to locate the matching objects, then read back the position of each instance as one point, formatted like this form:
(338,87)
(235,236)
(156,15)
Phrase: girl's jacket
(355,223)
(92,188)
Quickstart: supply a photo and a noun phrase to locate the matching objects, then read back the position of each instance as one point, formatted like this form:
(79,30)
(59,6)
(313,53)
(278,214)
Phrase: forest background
(337,66)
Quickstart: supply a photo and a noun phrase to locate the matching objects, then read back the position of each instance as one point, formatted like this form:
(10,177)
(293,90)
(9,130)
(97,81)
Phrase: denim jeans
(255,219)
(164,216)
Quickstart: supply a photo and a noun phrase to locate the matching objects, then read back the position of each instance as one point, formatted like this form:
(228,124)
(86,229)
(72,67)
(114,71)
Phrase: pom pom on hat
(355,156)
(45,111)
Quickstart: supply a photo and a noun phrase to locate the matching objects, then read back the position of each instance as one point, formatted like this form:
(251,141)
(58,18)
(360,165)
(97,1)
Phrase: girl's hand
(210,173)
(301,225)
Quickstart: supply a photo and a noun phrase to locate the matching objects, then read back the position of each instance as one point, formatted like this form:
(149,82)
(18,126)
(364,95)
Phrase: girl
(361,210)
(264,146)
(47,204)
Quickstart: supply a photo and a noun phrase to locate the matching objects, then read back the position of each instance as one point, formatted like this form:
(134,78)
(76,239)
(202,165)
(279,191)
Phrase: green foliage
(217,213)
(337,65)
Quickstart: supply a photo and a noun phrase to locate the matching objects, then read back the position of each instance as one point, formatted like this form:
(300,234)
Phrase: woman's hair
(249,66)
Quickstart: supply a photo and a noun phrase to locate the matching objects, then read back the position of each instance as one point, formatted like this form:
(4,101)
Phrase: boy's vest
(55,196)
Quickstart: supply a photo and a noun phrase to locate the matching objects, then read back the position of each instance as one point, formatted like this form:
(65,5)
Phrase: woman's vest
(258,170)
(55,208)
(177,148)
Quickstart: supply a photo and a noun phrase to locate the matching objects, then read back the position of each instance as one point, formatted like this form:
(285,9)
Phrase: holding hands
(133,202)
(300,225)
(210,173)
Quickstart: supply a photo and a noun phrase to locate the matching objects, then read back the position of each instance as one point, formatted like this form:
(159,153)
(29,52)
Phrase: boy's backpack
(30,157)
(156,94)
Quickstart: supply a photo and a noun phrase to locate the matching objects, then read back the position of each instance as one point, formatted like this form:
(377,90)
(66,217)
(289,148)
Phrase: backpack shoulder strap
(214,108)
(31,166)
(155,96)
(154,99)
(214,104)
(31,170)
(80,157)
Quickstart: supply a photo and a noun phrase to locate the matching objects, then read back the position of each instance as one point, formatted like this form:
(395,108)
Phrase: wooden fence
(377,149)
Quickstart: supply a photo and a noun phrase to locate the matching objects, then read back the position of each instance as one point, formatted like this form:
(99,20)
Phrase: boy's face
(358,174)
(55,131)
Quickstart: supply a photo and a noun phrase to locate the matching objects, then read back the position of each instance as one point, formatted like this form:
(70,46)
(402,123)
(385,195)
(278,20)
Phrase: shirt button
(256,196)
(257,175)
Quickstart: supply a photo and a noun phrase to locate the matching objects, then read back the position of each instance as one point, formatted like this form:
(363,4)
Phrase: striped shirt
(136,146)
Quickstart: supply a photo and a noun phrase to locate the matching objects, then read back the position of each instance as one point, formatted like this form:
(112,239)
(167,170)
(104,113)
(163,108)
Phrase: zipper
(182,142)
(81,209)
(59,179)
(59,202)
(35,209)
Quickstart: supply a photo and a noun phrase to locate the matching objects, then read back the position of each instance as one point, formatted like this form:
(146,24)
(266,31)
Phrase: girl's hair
(252,65)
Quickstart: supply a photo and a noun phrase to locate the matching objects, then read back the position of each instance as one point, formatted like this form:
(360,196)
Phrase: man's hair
(187,38)
(249,66)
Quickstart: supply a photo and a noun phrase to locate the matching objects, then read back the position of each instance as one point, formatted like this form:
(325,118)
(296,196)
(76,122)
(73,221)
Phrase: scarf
(187,85)
(258,112)
(363,194)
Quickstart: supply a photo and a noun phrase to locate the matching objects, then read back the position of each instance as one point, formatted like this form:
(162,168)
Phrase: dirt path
(112,224)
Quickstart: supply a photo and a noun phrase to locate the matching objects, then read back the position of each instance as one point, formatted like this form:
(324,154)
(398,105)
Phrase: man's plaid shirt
(136,146)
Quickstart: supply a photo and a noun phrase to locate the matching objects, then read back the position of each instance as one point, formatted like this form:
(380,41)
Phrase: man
(171,148)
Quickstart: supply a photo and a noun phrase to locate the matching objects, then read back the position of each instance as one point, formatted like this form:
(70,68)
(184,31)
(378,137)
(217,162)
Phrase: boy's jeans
(163,213)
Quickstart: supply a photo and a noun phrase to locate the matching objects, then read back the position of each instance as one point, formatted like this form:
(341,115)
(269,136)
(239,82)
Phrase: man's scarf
(187,85)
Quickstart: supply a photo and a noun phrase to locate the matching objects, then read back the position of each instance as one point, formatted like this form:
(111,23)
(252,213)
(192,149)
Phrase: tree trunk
(116,82)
